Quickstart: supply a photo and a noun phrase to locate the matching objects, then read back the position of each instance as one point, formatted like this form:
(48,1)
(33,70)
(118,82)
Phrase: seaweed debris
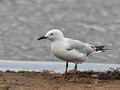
(110,74)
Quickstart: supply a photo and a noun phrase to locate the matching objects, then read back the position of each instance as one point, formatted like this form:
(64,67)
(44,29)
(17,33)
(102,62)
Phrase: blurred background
(94,21)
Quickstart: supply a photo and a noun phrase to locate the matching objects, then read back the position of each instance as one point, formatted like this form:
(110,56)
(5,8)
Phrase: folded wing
(79,46)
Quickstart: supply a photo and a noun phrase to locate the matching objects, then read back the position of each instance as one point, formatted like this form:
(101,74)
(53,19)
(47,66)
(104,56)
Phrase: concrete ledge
(15,65)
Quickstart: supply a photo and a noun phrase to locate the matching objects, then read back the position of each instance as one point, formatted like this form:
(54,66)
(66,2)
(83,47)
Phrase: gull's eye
(51,33)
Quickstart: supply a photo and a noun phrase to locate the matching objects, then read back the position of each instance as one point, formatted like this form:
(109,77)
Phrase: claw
(75,76)
(65,76)
(75,71)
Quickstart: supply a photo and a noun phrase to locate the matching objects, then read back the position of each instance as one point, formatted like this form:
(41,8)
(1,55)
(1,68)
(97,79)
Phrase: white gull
(70,50)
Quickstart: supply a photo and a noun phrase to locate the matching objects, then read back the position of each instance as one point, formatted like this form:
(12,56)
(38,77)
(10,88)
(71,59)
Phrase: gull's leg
(75,70)
(65,75)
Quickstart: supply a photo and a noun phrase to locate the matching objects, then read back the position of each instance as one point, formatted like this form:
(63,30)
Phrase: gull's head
(53,35)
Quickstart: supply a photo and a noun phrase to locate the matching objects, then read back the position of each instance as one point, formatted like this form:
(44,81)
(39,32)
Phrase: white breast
(61,52)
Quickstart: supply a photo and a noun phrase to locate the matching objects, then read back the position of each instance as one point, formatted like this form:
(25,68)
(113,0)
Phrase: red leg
(75,75)
(65,75)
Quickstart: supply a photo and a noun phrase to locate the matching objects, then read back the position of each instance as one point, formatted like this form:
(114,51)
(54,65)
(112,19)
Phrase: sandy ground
(52,81)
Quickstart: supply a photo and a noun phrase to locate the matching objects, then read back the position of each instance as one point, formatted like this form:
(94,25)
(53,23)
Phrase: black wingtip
(101,48)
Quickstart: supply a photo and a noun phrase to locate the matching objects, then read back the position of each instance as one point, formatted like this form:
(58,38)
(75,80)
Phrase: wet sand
(49,80)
